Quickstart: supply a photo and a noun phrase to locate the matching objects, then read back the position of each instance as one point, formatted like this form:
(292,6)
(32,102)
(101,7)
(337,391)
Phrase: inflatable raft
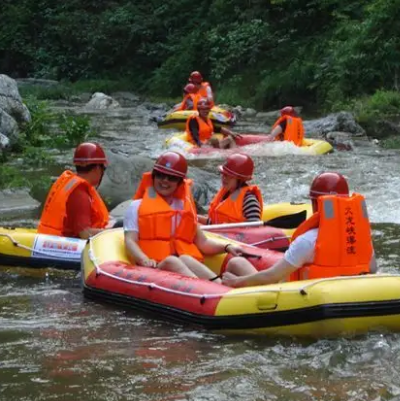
(279,222)
(179,141)
(26,248)
(177,119)
(314,308)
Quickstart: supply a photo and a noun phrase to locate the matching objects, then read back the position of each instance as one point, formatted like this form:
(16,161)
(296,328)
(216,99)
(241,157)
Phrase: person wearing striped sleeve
(236,201)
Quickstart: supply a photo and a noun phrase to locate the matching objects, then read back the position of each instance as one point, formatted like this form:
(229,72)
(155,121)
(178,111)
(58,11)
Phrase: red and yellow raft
(314,308)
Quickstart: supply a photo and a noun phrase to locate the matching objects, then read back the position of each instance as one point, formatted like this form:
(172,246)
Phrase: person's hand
(235,135)
(234,250)
(230,280)
(269,138)
(147,263)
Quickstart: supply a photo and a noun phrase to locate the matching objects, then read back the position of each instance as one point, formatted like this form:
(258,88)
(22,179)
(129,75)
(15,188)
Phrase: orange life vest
(230,210)
(54,211)
(203,92)
(344,244)
(206,129)
(294,131)
(194,97)
(156,218)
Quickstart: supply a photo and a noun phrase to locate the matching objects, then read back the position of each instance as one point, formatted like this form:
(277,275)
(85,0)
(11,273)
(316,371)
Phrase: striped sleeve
(251,207)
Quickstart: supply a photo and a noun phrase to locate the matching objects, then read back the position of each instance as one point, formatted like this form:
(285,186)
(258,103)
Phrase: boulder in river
(13,112)
(336,122)
(124,174)
(101,101)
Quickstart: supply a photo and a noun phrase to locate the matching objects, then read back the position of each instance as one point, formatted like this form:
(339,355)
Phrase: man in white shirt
(241,273)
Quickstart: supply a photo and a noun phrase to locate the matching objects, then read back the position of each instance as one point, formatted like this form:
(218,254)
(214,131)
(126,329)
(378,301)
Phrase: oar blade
(289,221)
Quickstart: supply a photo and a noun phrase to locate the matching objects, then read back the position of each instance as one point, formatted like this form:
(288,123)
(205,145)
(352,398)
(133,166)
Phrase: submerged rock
(101,101)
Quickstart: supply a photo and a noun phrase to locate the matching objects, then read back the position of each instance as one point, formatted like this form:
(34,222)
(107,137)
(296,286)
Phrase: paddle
(287,221)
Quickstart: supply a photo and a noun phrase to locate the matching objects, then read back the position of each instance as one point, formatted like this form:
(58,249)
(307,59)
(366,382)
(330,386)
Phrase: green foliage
(46,130)
(276,52)
(382,104)
(392,142)
(73,131)
(37,131)
(36,157)
(53,92)
(51,130)
(11,177)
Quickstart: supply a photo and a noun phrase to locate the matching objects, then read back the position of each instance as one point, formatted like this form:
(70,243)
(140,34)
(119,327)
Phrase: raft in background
(179,141)
(177,119)
(312,308)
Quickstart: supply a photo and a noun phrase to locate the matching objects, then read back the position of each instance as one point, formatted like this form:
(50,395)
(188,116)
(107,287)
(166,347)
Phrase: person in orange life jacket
(160,225)
(203,88)
(289,127)
(73,207)
(190,99)
(200,129)
(335,241)
(236,201)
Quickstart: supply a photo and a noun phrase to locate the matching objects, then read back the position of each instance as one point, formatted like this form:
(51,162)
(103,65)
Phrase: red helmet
(171,163)
(89,153)
(329,184)
(189,88)
(239,166)
(203,104)
(288,111)
(196,77)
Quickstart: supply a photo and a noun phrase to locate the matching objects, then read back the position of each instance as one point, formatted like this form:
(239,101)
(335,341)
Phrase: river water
(55,345)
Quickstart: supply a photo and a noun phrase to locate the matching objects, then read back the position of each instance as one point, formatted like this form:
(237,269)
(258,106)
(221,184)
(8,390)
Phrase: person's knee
(186,259)
(170,262)
(234,263)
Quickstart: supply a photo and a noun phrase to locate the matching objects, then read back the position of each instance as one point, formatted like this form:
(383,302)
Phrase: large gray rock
(124,174)
(336,122)
(4,142)
(340,140)
(11,101)
(13,202)
(13,113)
(100,101)
(8,128)
(122,177)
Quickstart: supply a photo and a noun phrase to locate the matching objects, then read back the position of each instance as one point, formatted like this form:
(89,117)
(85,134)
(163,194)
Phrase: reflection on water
(54,345)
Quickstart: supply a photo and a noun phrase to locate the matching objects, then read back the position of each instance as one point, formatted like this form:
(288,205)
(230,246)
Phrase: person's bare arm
(135,254)
(208,246)
(275,132)
(89,232)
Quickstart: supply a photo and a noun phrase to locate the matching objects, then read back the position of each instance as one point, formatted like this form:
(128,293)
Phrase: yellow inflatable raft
(177,119)
(26,248)
(314,308)
(179,141)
